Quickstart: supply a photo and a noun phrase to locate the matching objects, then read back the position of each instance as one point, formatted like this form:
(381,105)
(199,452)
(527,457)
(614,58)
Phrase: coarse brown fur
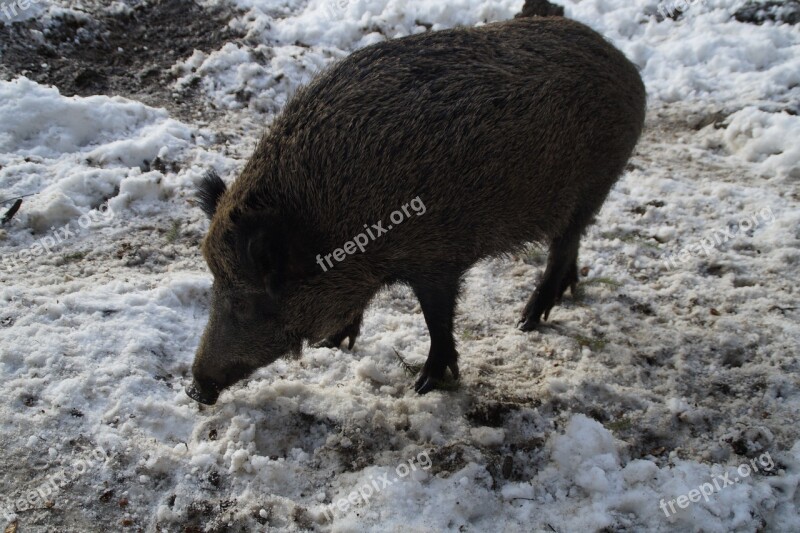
(509,133)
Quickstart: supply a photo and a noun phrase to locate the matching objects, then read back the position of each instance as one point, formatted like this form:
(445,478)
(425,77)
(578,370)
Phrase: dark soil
(127,54)
(787,12)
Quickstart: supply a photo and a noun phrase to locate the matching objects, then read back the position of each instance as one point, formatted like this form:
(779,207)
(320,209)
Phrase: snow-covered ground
(672,373)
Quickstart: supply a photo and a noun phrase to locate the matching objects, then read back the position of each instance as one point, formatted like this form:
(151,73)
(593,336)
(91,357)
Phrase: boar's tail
(540,8)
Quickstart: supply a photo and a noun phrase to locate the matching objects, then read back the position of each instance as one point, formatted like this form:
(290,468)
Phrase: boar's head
(249,253)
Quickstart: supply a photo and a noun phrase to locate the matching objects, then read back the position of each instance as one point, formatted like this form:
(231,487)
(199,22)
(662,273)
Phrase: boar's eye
(251,305)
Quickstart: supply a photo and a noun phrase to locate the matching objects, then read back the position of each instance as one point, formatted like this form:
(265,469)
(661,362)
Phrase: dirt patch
(121,51)
(787,12)
(491,413)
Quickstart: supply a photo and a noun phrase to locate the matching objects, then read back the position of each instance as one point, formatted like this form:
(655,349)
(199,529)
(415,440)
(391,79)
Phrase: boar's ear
(270,252)
(209,191)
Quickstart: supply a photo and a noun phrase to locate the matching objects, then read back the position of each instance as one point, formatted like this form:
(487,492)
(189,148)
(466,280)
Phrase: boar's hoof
(547,295)
(530,323)
(430,377)
(327,343)
(202,395)
(335,343)
(538,309)
(350,333)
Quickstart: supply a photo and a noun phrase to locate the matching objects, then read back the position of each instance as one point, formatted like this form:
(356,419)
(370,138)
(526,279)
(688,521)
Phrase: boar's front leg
(350,332)
(438,301)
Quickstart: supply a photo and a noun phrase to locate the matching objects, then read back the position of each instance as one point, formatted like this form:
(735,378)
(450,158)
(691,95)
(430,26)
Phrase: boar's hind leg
(350,332)
(438,301)
(561,273)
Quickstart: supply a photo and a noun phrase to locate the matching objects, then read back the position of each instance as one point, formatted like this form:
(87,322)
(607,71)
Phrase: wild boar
(509,133)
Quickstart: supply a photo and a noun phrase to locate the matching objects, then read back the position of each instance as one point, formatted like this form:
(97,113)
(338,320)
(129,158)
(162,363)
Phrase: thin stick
(6,200)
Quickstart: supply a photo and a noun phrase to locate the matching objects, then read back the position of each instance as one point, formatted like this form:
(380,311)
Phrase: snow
(708,55)
(676,366)
(487,437)
(90,146)
(769,139)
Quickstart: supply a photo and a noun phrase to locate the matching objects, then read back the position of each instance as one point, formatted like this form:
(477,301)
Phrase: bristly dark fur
(209,191)
(510,133)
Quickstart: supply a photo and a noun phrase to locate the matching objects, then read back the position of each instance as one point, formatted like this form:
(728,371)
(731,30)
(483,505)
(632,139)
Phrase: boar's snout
(243,334)
(206,394)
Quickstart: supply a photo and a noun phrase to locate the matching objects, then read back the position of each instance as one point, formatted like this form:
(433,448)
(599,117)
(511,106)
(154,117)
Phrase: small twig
(6,200)
(411,370)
